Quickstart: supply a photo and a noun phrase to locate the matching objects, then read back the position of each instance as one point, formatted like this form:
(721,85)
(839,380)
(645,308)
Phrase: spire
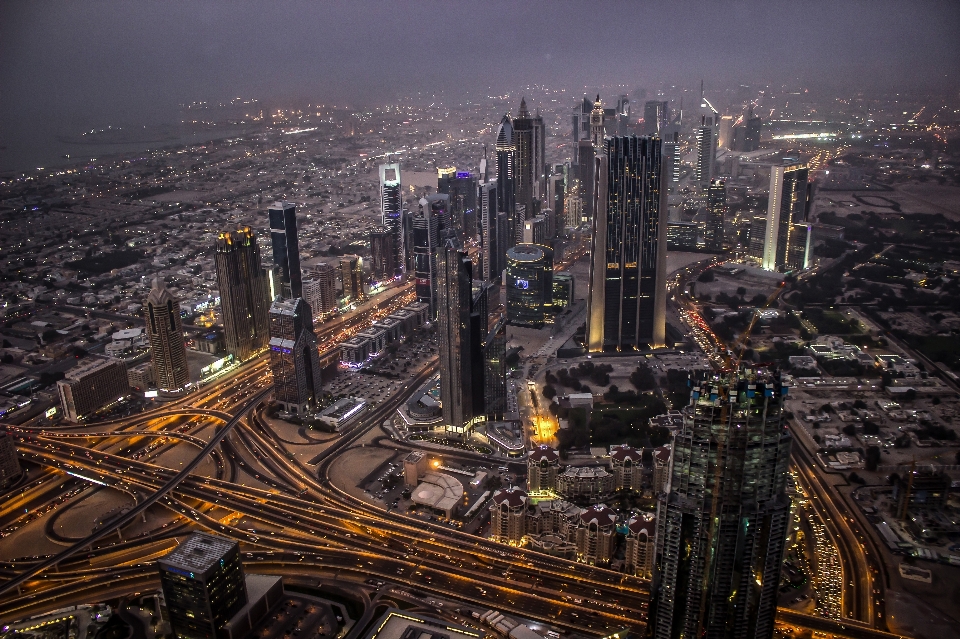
(523,113)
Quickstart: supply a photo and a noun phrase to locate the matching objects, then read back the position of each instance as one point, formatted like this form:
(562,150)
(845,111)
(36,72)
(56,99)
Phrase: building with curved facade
(165,333)
(529,284)
(627,465)
(543,466)
(508,510)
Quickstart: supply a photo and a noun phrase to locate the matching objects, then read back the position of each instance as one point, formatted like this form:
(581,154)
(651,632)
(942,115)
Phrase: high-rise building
(454,305)
(492,257)
(671,161)
(425,242)
(461,187)
(758,235)
(716,211)
(587,177)
(506,177)
(95,383)
(391,207)
(581,125)
(543,466)
(529,284)
(556,195)
(536,230)
(495,370)
(786,208)
(530,173)
(9,460)
(800,246)
(707,134)
(381,255)
(725,135)
(351,276)
(656,116)
(244,296)
(203,586)
(294,361)
(746,132)
(722,521)
(508,509)
(627,296)
(286,250)
(597,132)
(165,333)
(321,292)
(682,236)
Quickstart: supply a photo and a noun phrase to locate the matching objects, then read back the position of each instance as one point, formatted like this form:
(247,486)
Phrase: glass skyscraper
(286,249)
(529,284)
(244,293)
(391,206)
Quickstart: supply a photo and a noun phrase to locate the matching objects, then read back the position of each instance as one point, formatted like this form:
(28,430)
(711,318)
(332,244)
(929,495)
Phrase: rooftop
(199,552)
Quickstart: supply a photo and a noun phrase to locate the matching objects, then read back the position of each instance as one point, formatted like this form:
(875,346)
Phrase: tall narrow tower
(454,299)
(506,177)
(525,175)
(707,134)
(286,249)
(165,332)
(596,125)
(244,296)
(716,211)
(786,207)
(391,206)
(628,286)
(722,521)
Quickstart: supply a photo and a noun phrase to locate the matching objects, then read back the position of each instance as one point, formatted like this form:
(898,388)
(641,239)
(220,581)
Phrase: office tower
(244,296)
(581,124)
(573,208)
(556,195)
(94,384)
(286,249)
(725,135)
(597,133)
(454,300)
(786,207)
(535,231)
(495,370)
(461,187)
(351,276)
(425,238)
(506,176)
(800,246)
(671,161)
(746,132)
(382,265)
(550,219)
(707,133)
(716,210)
(165,332)
(321,294)
(524,174)
(9,461)
(294,361)
(490,256)
(627,298)
(539,156)
(721,523)
(439,205)
(682,236)
(529,284)
(391,207)
(408,217)
(563,290)
(656,115)
(203,585)
(758,235)
(587,177)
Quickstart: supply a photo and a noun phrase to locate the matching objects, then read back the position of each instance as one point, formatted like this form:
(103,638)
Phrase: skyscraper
(454,301)
(244,296)
(786,207)
(490,253)
(321,293)
(9,460)
(461,188)
(382,265)
(581,124)
(524,174)
(495,370)
(351,276)
(746,132)
(596,126)
(203,585)
(707,134)
(716,210)
(506,176)
(425,238)
(656,115)
(294,361)
(556,195)
(627,297)
(722,520)
(529,284)
(391,206)
(286,249)
(165,333)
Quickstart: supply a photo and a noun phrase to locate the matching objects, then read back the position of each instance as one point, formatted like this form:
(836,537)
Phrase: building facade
(9,460)
(454,295)
(168,352)
(716,212)
(95,383)
(391,207)
(320,289)
(529,284)
(628,284)
(786,209)
(288,281)
(597,535)
(543,466)
(627,466)
(508,509)
(294,361)
(244,293)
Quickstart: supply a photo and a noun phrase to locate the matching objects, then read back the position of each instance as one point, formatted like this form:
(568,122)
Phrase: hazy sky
(67,66)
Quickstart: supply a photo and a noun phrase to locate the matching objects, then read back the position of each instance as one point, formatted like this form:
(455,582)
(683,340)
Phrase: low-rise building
(641,535)
(627,465)
(355,351)
(597,535)
(415,466)
(91,386)
(508,514)
(543,466)
(584,481)
(440,492)
(342,412)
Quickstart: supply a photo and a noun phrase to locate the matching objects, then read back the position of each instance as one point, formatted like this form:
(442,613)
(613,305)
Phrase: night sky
(68,66)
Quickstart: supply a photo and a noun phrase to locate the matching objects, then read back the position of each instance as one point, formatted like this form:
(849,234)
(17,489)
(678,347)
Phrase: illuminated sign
(216,367)
(51,412)
(522,284)
(463,175)
(150,394)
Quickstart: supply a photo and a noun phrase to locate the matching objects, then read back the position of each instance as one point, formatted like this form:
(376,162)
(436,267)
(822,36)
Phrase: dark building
(461,188)
(286,250)
(581,125)
(294,361)
(244,293)
(716,212)
(165,333)
(627,297)
(746,133)
(9,460)
(491,255)
(682,236)
(425,242)
(722,521)
(351,277)
(587,176)
(506,178)
(530,169)
(563,290)
(457,348)
(203,586)
(656,116)
(382,265)
(495,370)
(529,284)
(391,207)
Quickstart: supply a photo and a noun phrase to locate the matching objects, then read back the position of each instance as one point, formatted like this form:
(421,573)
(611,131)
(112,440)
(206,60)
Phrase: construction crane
(741,344)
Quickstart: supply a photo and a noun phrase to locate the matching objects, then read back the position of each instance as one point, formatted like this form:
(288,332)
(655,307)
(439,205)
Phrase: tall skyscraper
(391,206)
(165,333)
(524,175)
(351,276)
(461,188)
(722,520)
(93,384)
(244,296)
(556,195)
(495,370)
(746,132)
(454,302)
(294,361)
(627,298)
(490,253)
(321,293)
(581,124)
(597,133)
(506,176)
(656,115)
(529,284)
(707,134)
(425,242)
(716,210)
(786,207)
(382,265)
(203,585)
(671,160)
(286,249)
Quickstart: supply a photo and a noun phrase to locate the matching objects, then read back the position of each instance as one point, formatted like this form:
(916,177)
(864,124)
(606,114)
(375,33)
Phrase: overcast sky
(74,65)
